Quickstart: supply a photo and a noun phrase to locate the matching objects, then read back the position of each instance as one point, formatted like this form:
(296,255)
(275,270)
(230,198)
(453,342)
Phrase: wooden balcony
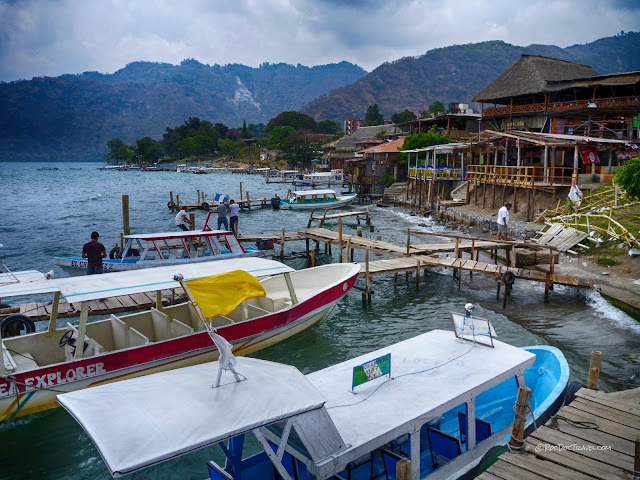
(522,177)
(631,101)
(441,173)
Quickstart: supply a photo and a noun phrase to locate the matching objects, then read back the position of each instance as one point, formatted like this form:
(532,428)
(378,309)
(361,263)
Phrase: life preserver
(114,253)
(12,325)
(508,277)
(170,204)
(205,206)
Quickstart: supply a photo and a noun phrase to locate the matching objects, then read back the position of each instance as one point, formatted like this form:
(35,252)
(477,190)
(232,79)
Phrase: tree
(421,140)
(435,108)
(229,147)
(628,177)
(114,145)
(222,129)
(403,117)
(148,150)
(453,108)
(373,116)
(298,150)
(249,154)
(298,121)
(278,136)
(245,132)
(328,127)
(125,153)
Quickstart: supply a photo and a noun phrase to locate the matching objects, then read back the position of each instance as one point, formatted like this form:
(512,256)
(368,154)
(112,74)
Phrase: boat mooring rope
(520,448)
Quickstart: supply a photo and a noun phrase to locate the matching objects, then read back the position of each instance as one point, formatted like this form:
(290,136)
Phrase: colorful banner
(589,155)
(371,370)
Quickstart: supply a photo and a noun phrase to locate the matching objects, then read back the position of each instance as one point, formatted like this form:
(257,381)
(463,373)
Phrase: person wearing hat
(181,219)
(94,252)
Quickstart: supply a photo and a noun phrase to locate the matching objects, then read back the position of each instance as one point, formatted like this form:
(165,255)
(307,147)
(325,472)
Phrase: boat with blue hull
(170,248)
(308,199)
(437,399)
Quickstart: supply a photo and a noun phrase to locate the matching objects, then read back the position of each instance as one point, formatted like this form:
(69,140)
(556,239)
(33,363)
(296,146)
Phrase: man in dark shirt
(94,252)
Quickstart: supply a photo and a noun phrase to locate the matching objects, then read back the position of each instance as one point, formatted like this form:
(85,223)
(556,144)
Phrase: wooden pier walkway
(125,303)
(591,438)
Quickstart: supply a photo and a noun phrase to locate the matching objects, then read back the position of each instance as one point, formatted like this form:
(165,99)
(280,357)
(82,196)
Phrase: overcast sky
(52,37)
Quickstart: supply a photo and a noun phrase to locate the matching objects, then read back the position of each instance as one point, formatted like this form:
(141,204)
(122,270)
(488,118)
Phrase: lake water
(52,213)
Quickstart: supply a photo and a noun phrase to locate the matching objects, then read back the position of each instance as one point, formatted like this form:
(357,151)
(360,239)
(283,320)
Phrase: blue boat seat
(390,461)
(483,428)
(444,447)
(217,473)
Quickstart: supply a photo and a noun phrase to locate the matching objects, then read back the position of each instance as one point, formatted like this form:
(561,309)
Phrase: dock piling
(636,460)
(125,215)
(521,408)
(403,469)
(192,219)
(594,370)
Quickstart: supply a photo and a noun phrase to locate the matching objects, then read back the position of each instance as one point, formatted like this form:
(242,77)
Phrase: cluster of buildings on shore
(544,124)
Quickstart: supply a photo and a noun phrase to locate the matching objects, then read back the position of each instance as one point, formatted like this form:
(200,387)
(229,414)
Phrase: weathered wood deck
(591,438)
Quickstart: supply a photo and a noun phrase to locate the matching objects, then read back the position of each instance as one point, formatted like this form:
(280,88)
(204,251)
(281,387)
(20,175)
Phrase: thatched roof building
(530,76)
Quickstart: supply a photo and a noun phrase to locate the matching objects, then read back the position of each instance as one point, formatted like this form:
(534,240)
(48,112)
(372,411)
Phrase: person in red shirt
(94,252)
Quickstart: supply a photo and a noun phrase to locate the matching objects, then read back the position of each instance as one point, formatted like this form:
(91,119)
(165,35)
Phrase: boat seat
(220,321)
(444,447)
(24,361)
(125,336)
(390,461)
(9,363)
(91,347)
(483,428)
(253,311)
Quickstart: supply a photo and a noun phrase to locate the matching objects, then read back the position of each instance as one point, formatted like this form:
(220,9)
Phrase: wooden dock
(591,438)
(125,303)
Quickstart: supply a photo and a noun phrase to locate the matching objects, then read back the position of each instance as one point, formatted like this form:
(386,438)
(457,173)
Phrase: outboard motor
(265,243)
(275,202)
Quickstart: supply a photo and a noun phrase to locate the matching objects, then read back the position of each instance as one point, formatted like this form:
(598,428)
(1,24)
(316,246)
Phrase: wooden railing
(630,101)
(526,177)
(441,173)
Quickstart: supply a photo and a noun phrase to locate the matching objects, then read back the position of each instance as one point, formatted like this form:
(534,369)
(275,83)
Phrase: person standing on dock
(234,209)
(503,222)
(94,252)
(222,216)
(182,220)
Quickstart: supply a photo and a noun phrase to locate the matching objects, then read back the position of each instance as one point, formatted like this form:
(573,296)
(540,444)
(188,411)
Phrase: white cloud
(52,37)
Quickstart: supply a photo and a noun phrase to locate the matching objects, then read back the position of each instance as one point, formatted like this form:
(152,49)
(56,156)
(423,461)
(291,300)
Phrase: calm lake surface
(52,213)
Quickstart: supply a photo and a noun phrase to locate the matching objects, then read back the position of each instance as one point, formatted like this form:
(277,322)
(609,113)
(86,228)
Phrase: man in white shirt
(234,208)
(181,219)
(503,221)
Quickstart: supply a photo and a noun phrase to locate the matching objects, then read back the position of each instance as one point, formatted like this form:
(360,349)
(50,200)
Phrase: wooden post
(125,215)
(192,219)
(248,201)
(417,274)
(346,252)
(198,194)
(473,246)
(367,276)
(408,242)
(171,204)
(594,370)
(636,460)
(159,300)
(340,237)
(403,469)
(54,312)
(521,410)
(177,202)
(240,190)
(313,258)
(282,249)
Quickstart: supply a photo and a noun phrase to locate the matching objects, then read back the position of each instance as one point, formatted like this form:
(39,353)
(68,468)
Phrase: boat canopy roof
(435,367)
(178,235)
(93,287)
(306,193)
(206,415)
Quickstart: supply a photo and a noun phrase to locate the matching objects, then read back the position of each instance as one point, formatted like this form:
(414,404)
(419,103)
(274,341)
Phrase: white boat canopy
(302,193)
(145,426)
(177,235)
(93,287)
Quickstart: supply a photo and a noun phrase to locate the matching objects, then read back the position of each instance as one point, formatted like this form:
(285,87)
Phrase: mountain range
(71,117)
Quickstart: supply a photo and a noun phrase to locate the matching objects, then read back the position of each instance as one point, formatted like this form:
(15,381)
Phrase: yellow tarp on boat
(221,294)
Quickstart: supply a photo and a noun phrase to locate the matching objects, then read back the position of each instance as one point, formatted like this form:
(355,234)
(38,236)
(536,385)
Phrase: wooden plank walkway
(462,246)
(360,243)
(561,238)
(591,438)
(408,264)
(277,237)
(126,303)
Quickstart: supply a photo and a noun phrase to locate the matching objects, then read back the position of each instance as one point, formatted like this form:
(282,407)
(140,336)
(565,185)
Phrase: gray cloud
(52,37)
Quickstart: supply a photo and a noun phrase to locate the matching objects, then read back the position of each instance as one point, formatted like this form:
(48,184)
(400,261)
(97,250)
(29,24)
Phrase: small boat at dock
(307,199)
(169,248)
(436,399)
(37,366)
(334,177)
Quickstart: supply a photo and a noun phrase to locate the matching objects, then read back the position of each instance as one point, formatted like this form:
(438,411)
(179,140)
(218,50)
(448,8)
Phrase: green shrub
(387,180)
(607,261)
(628,177)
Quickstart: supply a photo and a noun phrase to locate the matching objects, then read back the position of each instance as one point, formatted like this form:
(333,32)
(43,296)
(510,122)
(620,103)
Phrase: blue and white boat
(307,199)
(170,248)
(436,399)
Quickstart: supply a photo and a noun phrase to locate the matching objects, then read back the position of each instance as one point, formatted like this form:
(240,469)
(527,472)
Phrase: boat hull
(117,265)
(341,202)
(35,390)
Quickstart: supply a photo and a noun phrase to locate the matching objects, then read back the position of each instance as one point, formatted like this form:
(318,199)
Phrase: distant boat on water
(75,168)
(48,168)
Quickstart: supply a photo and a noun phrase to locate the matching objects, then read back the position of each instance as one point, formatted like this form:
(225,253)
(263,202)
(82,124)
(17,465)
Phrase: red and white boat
(38,366)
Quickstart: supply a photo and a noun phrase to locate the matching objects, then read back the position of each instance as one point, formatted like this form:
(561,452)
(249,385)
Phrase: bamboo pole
(594,370)
(521,409)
